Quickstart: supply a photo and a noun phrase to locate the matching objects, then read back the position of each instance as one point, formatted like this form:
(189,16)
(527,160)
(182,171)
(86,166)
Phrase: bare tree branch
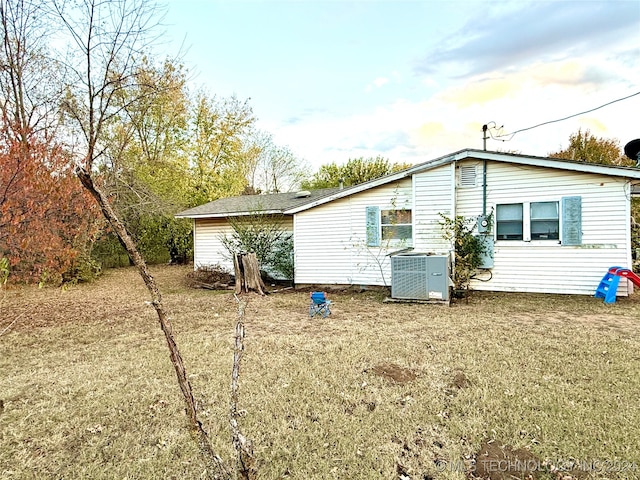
(245,460)
(215,462)
(111,59)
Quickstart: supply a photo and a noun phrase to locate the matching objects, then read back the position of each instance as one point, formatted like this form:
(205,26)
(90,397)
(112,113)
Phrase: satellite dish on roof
(632,150)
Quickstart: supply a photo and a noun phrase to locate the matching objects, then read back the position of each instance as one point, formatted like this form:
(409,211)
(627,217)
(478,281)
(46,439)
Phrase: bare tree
(29,78)
(272,168)
(107,41)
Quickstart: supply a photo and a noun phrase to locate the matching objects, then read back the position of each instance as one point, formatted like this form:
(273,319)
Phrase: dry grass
(374,391)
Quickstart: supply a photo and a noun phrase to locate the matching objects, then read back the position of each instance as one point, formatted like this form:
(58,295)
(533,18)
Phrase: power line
(512,134)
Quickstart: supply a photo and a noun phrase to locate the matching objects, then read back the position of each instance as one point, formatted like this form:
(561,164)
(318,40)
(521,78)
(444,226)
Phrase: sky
(415,80)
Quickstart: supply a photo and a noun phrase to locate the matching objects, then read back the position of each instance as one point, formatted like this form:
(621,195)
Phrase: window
(541,221)
(545,221)
(390,226)
(396,224)
(509,221)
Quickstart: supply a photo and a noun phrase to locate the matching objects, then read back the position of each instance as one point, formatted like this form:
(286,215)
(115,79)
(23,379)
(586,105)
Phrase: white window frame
(555,220)
(526,222)
(522,221)
(396,241)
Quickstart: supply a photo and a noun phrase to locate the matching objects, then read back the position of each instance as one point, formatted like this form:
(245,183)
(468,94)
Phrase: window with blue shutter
(571,220)
(544,221)
(396,225)
(373,227)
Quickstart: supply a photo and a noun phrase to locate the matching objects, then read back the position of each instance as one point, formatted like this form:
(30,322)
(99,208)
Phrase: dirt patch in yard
(496,461)
(394,373)
(460,380)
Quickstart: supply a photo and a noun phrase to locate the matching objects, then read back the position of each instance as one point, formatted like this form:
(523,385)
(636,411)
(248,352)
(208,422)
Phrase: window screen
(509,221)
(545,221)
(396,224)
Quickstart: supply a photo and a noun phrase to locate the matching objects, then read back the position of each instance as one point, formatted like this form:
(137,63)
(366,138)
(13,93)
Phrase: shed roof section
(274,203)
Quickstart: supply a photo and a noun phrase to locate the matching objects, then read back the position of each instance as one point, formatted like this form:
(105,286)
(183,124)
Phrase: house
(553,226)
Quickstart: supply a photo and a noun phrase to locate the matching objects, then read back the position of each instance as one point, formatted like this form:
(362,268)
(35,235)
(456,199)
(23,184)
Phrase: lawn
(377,390)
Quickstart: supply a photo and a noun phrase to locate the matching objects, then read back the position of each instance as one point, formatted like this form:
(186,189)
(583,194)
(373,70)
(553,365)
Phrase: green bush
(469,249)
(265,236)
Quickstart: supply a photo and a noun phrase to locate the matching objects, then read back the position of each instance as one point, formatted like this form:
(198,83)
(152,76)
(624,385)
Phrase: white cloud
(417,131)
(377,83)
(512,38)
(380,81)
(519,73)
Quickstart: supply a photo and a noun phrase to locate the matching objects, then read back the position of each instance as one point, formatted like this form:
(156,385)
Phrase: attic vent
(468,176)
(303,194)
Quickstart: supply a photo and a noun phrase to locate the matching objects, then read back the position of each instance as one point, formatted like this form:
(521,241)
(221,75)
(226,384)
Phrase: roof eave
(230,214)
(394,177)
(610,170)
(350,191)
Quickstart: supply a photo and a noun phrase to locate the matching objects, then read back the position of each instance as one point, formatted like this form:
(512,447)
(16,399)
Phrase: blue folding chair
(319,305)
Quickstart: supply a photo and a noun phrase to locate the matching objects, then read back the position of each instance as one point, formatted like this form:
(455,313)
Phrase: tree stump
(247,273)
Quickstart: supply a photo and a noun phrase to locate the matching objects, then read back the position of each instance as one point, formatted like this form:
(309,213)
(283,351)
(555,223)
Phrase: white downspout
(195,245)
(627,194)
(452,256)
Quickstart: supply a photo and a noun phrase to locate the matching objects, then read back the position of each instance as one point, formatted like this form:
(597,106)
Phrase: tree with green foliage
(144,168)
(166,152)
(354,172)
(468,248)
(585,147)
(215,150)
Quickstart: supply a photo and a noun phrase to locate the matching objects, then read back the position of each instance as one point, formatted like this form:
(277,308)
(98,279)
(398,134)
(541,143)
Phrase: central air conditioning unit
(420,277)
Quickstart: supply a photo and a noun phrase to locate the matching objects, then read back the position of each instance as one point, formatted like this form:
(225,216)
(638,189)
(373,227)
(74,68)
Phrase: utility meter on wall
(483,224)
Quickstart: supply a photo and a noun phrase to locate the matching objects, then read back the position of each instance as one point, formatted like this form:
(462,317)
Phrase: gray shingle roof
(245,204)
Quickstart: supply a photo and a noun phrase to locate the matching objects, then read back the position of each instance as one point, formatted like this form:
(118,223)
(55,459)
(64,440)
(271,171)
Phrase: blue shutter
(571,220)
(373,227)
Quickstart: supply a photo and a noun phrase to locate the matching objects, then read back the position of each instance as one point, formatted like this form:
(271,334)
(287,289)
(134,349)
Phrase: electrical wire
(486,270)
(512,134)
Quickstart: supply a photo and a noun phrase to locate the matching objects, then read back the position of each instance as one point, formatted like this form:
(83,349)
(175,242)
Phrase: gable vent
(468,174)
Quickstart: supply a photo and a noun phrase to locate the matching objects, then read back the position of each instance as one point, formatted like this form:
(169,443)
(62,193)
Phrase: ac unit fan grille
(409,277)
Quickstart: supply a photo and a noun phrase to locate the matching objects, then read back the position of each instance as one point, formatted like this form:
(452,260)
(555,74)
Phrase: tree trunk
(247,273)
(215,463)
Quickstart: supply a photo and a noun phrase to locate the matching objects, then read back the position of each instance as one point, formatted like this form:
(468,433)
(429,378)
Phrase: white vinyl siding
(331,240)
(333,244)
(433,195)
(208,250)
(546,266)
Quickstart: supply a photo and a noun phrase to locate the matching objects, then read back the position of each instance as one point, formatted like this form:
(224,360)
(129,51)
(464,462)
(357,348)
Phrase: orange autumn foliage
(46,217)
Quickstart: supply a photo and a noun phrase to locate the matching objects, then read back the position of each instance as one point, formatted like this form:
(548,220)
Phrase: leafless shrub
(210,276)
